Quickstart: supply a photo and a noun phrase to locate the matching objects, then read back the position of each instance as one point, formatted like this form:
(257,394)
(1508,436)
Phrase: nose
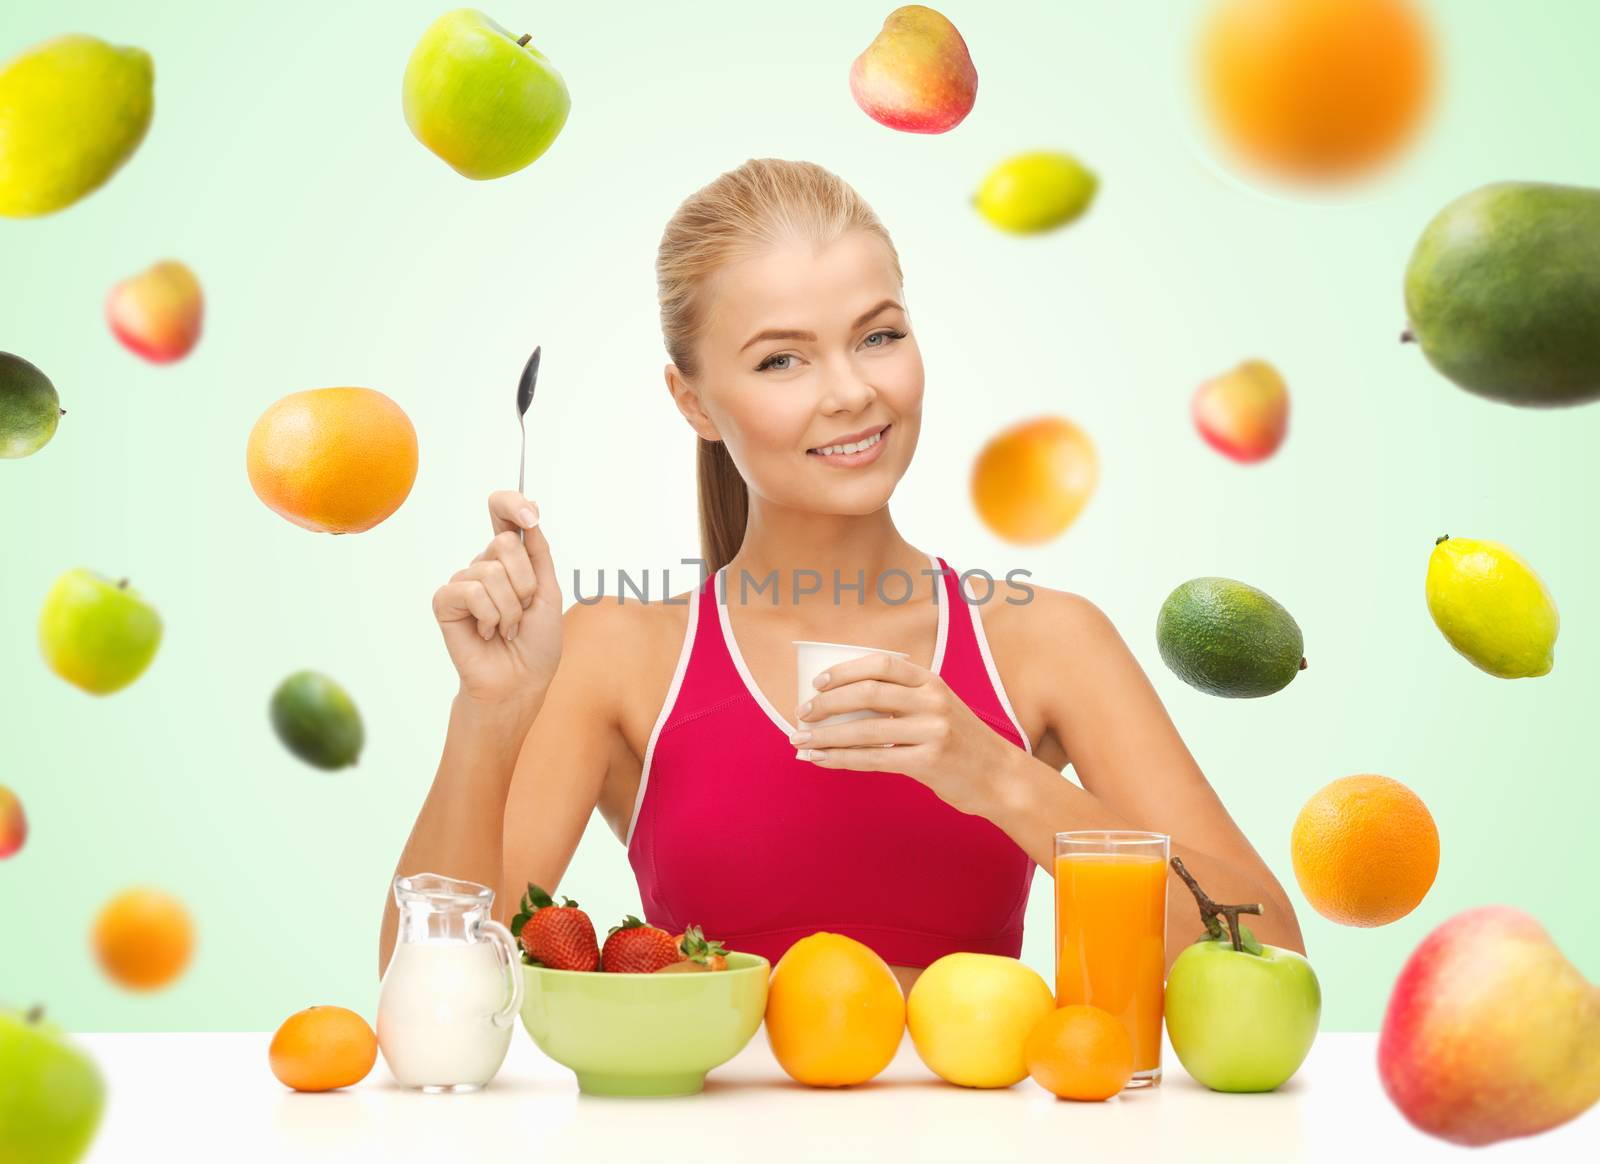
(845,389)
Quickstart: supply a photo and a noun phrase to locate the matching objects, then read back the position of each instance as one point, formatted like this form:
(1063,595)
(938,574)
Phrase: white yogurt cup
(812,659)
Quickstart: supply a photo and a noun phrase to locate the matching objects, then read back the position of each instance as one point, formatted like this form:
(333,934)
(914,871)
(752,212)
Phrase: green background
(334,249)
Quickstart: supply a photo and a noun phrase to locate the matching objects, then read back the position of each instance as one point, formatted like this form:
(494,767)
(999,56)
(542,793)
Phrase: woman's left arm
(1097,701)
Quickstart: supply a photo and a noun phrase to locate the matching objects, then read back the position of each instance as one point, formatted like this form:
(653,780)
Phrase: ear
(687,398)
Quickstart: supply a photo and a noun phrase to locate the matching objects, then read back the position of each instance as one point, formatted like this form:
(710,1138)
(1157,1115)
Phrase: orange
(835,1011)
(322,1047)
(1032,480)
(142,938)
(1316,89)
(1079,1052)
(334,460)
(1365,850)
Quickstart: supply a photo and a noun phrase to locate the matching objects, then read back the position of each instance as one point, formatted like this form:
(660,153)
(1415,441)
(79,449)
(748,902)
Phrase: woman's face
(810,374)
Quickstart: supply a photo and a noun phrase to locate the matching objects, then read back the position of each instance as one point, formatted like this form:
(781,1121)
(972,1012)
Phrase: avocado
(1503,293)
(29,408)
(317,720)
(1229,639)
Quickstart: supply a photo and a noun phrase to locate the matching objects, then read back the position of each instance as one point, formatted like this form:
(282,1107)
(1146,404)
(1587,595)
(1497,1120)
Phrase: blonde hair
(763,202)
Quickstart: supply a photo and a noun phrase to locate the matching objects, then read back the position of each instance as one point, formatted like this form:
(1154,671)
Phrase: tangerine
(1032,480)
(1079,1052)
(142,938)
(322,1048)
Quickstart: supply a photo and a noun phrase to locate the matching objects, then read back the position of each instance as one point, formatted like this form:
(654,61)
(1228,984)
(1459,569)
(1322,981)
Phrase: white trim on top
(941,636)
(988,663)
(666,709)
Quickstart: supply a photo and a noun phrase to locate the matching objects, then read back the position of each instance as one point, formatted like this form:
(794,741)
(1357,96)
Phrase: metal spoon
(530,376)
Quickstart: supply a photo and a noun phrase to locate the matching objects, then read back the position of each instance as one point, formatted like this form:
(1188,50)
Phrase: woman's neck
(837,550)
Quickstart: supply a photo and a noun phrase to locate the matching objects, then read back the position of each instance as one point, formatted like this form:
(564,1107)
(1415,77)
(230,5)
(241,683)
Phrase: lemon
(1036,191)
(1492,607)
(72,111)
(970,1015)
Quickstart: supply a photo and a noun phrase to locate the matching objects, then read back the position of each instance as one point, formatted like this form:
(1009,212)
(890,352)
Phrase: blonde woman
(795,363)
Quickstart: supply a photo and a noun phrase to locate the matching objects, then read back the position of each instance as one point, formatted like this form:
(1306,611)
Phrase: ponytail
(724,504)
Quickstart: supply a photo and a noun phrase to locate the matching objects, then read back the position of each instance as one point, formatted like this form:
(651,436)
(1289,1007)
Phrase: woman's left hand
(936,738)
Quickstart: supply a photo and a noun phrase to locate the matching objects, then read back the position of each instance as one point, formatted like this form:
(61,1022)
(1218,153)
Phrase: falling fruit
(1243,414)
(1492,607)
(1030,482)
(156,313)
(317,720)
(1035,192)
(97,634)
(29,408)
(72,111)
(333,460)
(1365,851)
(1316,90)
(484,100)
(1503,293)
(143,938)
(835,1011)
(916,75)
(322,1048)
(13,823)
(1229,639)
(969,1015)
(1490,1032)
(52,1095)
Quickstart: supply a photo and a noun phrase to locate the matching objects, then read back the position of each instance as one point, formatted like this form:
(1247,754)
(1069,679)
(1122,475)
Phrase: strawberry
(694,946)
(558,936)
(635,948)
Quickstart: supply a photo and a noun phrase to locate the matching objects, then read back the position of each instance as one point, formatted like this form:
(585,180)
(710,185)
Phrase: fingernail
(805,709)
(487,632)
(820,682)
(799,737)
(528,518)
(511,634)
(802,754)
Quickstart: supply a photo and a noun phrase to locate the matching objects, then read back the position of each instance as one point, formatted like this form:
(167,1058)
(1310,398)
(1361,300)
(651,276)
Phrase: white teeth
(852,447)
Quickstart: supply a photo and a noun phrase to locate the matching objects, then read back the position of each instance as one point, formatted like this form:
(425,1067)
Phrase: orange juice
(1111,921)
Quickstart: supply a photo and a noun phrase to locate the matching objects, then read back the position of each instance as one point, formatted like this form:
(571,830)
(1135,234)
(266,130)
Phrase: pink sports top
(732,833)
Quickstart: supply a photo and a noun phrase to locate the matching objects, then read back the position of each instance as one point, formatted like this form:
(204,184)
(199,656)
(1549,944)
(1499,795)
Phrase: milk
(436,1010)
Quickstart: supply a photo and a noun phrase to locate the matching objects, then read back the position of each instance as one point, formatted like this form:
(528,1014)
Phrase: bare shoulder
(616,637)
(1026,617)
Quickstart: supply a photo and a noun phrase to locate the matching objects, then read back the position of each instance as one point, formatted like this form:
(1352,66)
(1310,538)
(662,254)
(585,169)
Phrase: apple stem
(1441,538)
(1408,336)
(122,584)
(1210,911)
(35,1013)
(524,39)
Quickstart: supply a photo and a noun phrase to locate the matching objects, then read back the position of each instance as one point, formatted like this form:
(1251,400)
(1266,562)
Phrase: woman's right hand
(501,614)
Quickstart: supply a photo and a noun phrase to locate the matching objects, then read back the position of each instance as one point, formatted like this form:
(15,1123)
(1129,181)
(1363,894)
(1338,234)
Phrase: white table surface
(211,1097)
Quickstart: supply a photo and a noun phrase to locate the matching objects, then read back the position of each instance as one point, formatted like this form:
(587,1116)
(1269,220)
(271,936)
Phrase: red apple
(13,824)
(1490,1033)
(916,74)
(1244,413)
(156,313)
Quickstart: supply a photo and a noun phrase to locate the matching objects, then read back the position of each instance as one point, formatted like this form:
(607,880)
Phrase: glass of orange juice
(1111,930)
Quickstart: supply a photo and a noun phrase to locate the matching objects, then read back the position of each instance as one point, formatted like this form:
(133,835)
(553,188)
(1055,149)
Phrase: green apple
(1241,1015)
(484,100)
(51,1093)
(97,634)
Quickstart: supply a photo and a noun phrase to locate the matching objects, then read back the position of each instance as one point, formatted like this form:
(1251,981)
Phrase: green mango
(72,111)
(1503,293)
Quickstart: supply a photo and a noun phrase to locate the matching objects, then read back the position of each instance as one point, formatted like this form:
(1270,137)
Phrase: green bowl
(644,1034)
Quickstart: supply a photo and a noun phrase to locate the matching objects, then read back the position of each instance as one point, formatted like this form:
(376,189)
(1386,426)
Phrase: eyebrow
(776,333)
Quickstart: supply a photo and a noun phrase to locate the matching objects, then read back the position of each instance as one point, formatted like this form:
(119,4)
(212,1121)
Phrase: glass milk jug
(452,989)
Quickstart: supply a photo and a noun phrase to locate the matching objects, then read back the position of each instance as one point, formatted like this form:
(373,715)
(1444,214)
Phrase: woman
(795,363)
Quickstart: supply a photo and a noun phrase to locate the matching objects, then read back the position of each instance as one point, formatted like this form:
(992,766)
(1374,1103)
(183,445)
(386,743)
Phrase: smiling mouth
(850,448)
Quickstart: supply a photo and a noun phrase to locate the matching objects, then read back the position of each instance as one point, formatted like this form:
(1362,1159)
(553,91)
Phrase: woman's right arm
(502,625)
